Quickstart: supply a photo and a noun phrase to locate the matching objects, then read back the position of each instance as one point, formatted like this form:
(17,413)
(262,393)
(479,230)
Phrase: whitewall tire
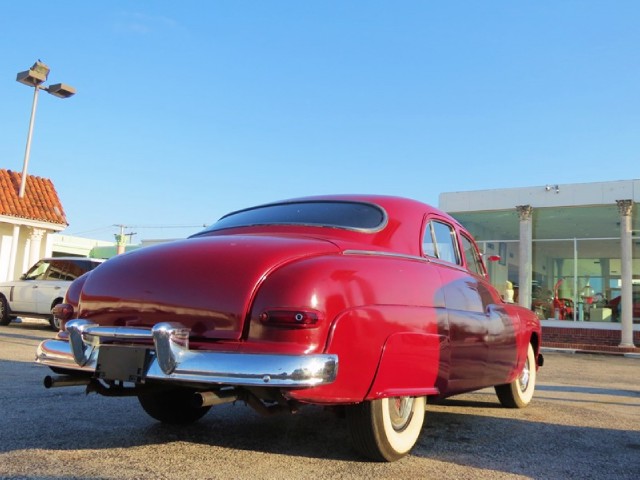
(386,429)
(518,394)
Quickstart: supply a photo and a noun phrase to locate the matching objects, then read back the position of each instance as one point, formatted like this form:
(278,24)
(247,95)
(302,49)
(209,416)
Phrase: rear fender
(409,366)
(382,351)
(357,337)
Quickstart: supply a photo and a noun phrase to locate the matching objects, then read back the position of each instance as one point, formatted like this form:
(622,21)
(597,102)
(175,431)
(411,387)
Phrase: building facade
(571,252)
(26,223)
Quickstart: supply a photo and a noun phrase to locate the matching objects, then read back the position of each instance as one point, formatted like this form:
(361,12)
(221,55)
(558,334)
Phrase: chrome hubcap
(524,377)
(400,412)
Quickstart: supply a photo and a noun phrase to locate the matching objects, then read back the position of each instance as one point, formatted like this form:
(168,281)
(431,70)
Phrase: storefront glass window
(572,279)
(503,273)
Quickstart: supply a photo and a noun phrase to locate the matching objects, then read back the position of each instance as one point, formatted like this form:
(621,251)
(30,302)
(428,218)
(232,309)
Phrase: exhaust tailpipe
(65,381)
(208,399)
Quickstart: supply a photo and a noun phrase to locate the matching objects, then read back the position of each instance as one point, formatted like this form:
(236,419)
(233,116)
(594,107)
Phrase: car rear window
(348,215)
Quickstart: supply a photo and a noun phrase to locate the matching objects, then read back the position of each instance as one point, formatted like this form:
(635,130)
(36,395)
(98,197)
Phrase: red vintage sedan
(371,304)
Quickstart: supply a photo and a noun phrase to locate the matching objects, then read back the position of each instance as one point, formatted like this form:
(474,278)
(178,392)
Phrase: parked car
(42,288)
(369,304)
(615,306)
(545,306)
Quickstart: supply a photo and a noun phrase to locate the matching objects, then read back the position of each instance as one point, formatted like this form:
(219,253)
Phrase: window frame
(433,235)
(480,269)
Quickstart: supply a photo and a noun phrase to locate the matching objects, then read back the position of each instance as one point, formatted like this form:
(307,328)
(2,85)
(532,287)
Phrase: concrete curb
(573,351)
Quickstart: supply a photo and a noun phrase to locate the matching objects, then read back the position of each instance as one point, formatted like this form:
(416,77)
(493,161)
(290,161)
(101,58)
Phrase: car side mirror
(493,258)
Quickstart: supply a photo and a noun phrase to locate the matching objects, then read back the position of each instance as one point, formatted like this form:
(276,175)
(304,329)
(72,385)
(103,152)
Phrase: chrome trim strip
(387,254)
(173,361)
(407,256)
(125,333)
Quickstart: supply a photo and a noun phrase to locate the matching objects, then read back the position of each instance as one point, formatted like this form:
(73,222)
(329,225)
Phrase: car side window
(439,241)
(37,272)
(77,268)
(471,256)
(59,270)
(428,242)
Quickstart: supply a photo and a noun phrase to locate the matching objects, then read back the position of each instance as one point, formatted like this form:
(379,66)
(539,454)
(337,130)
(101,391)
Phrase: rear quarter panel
(530,332)
(371,304)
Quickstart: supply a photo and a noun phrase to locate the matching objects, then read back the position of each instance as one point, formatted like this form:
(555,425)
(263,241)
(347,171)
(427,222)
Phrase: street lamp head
(61,90)
(36,75)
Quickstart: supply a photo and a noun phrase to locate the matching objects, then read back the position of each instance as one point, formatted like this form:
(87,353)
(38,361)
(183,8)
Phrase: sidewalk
(591,349)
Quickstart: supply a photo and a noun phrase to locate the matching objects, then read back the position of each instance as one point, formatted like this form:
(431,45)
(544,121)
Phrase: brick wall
(587,339)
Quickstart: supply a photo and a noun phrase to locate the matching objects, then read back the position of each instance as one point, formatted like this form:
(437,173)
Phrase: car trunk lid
(204,283)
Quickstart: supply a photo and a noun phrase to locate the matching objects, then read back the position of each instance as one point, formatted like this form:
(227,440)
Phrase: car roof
(98,260)
(394,205)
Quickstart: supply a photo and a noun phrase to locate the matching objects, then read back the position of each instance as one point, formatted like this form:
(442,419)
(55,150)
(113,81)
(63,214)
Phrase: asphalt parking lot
(584,422)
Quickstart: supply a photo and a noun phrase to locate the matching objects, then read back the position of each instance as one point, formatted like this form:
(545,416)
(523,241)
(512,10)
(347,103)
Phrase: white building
(27,223)
(577,243)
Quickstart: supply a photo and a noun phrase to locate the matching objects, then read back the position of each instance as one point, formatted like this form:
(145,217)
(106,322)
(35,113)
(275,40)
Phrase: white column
(13,256)
(525,213)
(626,301)
(35,245)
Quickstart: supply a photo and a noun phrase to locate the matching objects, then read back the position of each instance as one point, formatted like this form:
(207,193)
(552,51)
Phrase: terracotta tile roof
(40,201)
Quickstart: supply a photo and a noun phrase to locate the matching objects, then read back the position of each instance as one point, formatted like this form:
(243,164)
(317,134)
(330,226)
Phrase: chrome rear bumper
(165,349)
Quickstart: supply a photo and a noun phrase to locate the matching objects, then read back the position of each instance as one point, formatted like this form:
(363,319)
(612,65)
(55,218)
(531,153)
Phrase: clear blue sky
(188,110)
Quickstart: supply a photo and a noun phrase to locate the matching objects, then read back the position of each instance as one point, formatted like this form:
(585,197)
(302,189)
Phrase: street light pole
(27,150)
(35,77)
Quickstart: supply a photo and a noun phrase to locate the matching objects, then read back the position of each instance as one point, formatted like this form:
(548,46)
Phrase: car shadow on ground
(30,324)
(469,431)
(25,335)
(588,390)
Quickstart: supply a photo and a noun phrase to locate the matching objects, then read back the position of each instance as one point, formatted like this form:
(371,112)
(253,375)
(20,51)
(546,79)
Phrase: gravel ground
(584,422)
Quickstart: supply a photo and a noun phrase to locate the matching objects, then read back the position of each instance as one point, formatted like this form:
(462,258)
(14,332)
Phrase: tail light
(290,318)
(62,311)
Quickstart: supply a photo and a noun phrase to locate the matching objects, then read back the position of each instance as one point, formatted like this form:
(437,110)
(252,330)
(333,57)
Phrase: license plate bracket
(123,363)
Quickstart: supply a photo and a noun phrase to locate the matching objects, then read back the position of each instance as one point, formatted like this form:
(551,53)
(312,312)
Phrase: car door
(465,300)
(51,286)
(20,295)
(23,295)
(468,329)
(500,329)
